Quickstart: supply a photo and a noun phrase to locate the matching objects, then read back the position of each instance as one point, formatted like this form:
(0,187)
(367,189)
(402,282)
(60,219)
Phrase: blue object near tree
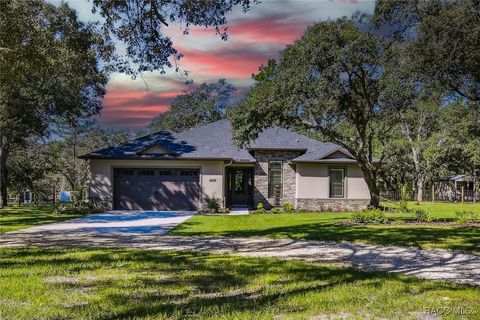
(65,196)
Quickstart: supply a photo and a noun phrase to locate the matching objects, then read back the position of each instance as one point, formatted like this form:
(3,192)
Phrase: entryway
(239,186)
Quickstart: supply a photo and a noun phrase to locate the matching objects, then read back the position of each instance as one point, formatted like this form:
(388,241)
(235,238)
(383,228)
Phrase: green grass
(121,284)
(325,226)
(21,217)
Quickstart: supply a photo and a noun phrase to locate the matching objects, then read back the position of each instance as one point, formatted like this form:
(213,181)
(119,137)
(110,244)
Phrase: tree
(205,104)
(443,38)
(45,165)
(138,24)
(49,62)
(76,139)
(328,82)
(27,171)
(420,126)
(440,41)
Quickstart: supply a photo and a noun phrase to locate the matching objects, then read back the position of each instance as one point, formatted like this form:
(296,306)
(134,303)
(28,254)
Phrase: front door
(239,186)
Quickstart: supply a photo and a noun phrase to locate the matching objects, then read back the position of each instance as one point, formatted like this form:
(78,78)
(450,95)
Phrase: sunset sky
(254,37)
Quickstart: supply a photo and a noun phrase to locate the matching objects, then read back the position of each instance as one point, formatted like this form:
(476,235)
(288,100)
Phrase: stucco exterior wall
(313,182)
(101,175)
(356,186)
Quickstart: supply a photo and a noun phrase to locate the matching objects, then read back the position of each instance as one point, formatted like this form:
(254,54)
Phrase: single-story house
(460,187)
(178,171)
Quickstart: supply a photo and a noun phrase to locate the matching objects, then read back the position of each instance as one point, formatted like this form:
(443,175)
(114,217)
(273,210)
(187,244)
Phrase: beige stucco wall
(101,174)
(313,182)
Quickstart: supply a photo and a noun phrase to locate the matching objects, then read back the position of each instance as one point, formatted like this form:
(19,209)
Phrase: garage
(157,189)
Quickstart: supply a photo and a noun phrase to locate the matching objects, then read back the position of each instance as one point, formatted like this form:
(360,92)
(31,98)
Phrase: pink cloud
(134,109)
(274,29)
(224,63)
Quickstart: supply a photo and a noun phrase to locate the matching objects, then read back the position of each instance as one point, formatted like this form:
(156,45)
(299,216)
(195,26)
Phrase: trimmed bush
(371,216)
(213,204)
(288,207)
(260,209)
(422,216)
(77,207)
(276,211)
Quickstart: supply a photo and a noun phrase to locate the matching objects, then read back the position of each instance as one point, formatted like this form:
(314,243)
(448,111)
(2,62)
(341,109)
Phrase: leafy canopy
(443,38)
(205,104)
(139,25)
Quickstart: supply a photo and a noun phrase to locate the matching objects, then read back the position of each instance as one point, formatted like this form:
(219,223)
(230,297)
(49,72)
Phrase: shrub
(260,209)
(276,211)
(465,216)
(77,207)
(224,210)
(422,216)
(371,216)
(213,204)
(288,207)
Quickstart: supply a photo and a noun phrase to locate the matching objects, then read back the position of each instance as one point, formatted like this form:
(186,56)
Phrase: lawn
(21,217)
(327,227)
(119,284)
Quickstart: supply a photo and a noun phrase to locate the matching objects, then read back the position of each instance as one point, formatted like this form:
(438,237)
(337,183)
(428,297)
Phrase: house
(177,171)
(460,187)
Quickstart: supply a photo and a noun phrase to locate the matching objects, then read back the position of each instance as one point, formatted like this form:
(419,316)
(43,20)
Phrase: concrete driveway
(118,222)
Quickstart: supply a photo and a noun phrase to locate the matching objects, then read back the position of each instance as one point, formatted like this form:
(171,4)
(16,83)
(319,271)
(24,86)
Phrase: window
(337,182)
(274,177)
(124,172)
(189,173)
(146,172)
(166,172)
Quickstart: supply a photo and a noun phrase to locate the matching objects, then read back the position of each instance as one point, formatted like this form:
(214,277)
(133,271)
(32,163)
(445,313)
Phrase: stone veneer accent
(261,176)
(332,204)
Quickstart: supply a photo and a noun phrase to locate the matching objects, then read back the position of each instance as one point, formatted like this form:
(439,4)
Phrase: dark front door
(239,186)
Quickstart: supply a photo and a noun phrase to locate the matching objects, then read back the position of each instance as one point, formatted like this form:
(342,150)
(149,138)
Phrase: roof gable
(156,149)
(338,154)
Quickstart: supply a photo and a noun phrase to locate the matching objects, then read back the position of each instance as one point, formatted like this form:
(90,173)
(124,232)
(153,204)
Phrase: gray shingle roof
(215,141)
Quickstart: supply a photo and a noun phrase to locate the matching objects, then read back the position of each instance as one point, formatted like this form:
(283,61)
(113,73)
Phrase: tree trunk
(3,177)
(419,174)
(420,187)
(370,177)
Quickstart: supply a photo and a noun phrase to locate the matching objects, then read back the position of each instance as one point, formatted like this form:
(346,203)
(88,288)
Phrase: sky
(254,37)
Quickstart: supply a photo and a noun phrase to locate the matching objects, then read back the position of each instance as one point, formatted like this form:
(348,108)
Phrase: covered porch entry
(239,186)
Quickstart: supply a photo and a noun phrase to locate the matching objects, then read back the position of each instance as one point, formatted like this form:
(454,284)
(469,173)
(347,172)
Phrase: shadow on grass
(185,284)
(451,237)
(18,217)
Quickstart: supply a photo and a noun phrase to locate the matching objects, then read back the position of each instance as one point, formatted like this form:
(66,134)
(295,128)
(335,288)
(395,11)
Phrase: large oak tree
(328,82)
(49,70)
